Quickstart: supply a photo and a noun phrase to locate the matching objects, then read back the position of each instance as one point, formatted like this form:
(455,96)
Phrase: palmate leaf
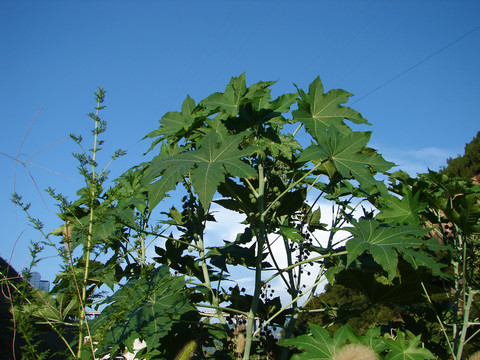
(458,199)
(207,166)
(372,338)
(280,145)
(403,210)
(167,182)
(258,95)
(407,349)
(175,123)
(282,103)
(347,154)
(465,213)
(291,233)
(319,111)
(142,308)
(214,162)
(229,101)
(384,243)
(45,306)
(319,346)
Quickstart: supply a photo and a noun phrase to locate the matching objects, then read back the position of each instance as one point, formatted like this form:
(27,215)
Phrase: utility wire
(385,39)
(417,64)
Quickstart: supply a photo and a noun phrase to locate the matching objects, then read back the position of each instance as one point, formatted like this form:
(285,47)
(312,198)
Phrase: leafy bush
(468,164)
(243,151)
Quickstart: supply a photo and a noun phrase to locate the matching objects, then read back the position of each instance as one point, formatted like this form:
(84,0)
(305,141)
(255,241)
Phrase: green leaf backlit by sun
(208,167)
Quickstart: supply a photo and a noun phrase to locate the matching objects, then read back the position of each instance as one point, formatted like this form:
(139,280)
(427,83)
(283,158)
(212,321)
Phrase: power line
(386,38)
(417,64)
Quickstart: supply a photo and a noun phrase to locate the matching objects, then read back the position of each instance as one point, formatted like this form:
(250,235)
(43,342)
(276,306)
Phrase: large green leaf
(319,111)
(283,102)
(229,101)
(173,122)
(457,199)
(465,213)
(372,338)
(168,181)
(259,95)
(208,167)
(232,253)
(401,210)
(46,307)
(407,349)
(291,233)
(319,346)
(279,145)
(145,308)
(349,155)
(383,242)
(176,124)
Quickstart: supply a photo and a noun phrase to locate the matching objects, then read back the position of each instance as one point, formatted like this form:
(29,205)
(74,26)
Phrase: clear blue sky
(149,55)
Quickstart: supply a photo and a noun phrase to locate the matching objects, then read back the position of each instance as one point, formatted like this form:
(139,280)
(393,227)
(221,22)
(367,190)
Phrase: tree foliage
(241,150)
(466,165)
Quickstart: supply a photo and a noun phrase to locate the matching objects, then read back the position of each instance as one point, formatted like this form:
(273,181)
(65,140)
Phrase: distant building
(38,283)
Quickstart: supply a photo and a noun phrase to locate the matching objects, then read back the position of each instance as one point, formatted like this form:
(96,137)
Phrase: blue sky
(149,55)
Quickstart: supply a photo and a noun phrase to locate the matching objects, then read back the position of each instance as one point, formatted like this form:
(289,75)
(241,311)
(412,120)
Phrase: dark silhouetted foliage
(468,165)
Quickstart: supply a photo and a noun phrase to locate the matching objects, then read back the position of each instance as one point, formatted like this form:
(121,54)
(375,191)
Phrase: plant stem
(206,280)
(463,333)
(440,322)
(261,238)
(87,250)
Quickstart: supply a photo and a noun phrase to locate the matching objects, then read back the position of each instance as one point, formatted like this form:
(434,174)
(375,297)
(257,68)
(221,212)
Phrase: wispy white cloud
(226,227)
(415,161)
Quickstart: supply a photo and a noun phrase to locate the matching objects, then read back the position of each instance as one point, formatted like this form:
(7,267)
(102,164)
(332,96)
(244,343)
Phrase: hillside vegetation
(468,164)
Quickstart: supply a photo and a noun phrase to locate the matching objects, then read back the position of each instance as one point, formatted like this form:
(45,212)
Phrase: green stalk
(474,334)
(224,309)
(206,280)
(142,251)
(291,324)
(291,285)
(293,319)
(459,340)
(458,290)
(143,237)
(466,316)
(87,251)
(440,322)
(258,263)
(142,244)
